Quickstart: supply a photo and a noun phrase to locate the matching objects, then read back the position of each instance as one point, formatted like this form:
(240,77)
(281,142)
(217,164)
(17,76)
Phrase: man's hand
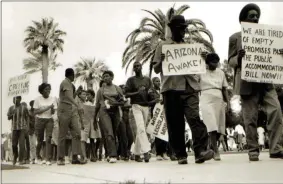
(241,53)
(204,54)
(162,57)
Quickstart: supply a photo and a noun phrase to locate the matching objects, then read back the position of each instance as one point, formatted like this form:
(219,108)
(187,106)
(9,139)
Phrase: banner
(263,62)
(157,125)
(183,59)
(18,85)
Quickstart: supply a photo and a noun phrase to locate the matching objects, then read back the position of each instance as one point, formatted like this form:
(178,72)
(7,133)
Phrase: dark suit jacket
(241,87)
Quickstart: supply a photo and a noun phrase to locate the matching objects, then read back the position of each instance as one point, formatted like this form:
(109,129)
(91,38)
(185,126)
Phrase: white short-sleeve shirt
(41,102)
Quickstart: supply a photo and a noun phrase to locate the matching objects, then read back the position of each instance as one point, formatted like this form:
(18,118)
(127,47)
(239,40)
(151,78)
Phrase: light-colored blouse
(110,91)
(213,80)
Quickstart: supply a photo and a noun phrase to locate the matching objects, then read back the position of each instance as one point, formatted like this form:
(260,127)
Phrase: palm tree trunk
(44,54)
(89,84)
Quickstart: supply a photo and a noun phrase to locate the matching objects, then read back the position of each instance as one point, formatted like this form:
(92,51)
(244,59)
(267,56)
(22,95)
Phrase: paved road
(234,168)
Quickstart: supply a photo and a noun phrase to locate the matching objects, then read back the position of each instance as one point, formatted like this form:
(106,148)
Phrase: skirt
(213,110)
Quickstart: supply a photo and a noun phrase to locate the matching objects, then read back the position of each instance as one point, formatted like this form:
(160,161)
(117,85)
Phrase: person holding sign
(160,145)
(180,96)
(213,95)
(255,94)
(19,116)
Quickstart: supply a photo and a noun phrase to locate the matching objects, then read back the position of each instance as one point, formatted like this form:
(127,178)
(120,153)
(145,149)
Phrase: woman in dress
(212,101)
(109,98)
(81,99)
(94,135)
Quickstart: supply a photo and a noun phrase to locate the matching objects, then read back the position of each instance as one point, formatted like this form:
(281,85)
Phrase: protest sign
(183,59)
(157,125)
(263,62)
(19,85)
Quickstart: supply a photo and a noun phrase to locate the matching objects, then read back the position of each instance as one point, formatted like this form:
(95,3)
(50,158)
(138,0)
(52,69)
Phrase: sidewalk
(233,168)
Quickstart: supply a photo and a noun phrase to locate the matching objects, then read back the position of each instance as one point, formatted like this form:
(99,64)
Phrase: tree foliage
(143,41)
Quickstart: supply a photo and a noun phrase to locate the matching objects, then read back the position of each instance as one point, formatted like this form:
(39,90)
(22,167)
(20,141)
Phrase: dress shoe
(204,156)
(253,158)
(277,155)
(182,161)
(146,157)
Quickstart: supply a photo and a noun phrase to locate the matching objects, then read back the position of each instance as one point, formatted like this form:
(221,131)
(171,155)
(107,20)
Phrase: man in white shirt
(240,134)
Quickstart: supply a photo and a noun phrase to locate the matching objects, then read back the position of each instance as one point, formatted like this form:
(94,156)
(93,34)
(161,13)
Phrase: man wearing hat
(255,94)
(181,98)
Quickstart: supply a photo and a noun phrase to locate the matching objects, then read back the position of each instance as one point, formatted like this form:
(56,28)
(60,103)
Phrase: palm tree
(44,37)
(34,63)
(89,71)
(143,41)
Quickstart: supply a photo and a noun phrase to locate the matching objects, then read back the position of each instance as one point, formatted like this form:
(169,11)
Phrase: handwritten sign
(19,85)
(263,62)
(183,59)
(157,125)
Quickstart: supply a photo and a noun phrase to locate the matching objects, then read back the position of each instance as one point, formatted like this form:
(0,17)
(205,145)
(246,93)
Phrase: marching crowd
(81,125)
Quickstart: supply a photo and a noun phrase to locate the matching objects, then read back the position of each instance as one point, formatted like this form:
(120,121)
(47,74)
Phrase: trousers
(178,104)
(272,107)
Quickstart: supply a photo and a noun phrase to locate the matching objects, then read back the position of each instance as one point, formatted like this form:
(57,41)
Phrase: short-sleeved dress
(89,109)
(211,100)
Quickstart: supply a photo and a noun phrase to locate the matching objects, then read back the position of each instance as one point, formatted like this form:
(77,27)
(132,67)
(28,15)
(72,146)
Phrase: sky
(99,29)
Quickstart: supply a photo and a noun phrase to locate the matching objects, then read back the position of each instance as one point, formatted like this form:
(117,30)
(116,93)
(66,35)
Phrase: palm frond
(182,9)
(89,69)
(156,17)
(196,22)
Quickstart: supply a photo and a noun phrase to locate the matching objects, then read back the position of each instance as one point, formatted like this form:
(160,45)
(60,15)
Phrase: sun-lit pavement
(234,168)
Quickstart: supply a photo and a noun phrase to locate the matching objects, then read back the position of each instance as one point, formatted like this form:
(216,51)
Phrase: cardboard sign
(157,125)
(263,62)
(183,59)
(18,85)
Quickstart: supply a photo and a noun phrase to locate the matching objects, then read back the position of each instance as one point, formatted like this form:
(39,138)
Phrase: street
(234,168)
